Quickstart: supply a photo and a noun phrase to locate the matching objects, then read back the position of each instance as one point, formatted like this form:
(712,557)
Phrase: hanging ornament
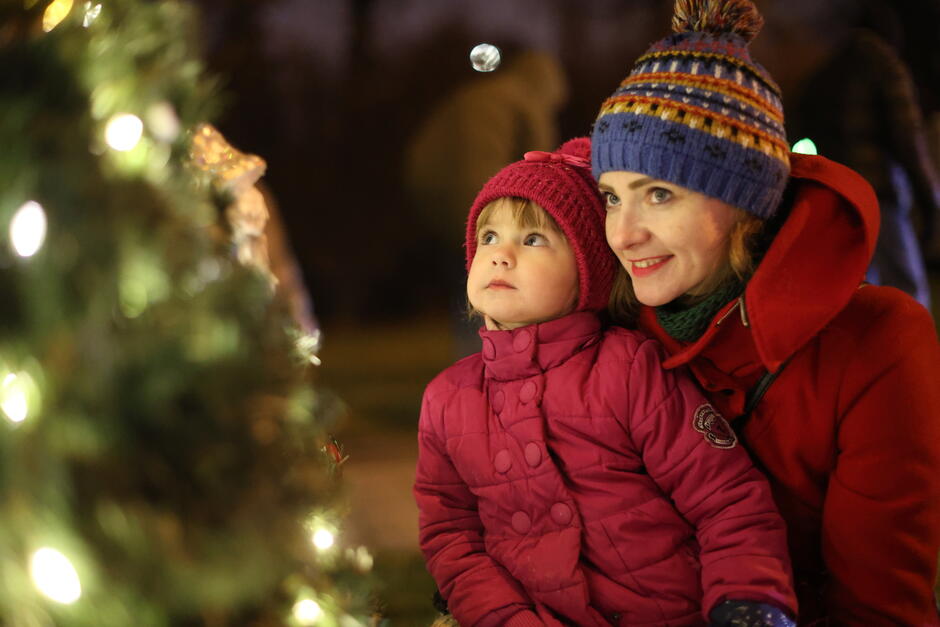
(485,57)
(334,451)
(236,173)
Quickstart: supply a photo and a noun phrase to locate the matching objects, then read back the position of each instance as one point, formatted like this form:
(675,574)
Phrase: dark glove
(749,614)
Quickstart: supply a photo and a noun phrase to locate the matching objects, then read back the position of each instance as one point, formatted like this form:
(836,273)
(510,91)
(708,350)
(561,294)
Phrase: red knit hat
(561,183)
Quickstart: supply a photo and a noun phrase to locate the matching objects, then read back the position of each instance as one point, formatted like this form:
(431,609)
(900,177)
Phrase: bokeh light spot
(123,131)
(28,229)
(55,576)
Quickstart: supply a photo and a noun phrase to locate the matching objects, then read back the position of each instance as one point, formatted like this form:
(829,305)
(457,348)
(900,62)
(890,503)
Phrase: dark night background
(328,92)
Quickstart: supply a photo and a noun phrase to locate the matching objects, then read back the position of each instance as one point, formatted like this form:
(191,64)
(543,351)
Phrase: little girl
(552,488)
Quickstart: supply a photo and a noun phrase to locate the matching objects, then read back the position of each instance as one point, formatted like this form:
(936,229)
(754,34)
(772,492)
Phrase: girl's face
(669,239)
(521,275)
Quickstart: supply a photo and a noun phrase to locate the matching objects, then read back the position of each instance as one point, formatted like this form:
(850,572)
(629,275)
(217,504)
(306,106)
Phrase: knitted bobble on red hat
(561,183)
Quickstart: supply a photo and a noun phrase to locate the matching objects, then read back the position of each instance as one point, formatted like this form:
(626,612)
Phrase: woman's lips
(640,268)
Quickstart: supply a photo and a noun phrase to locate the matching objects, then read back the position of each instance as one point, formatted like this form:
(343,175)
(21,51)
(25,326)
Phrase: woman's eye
(658,195)
(611,199)
(488,237)
(535,239)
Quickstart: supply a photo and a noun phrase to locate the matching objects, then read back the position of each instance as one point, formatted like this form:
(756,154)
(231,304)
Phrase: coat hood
(813,266)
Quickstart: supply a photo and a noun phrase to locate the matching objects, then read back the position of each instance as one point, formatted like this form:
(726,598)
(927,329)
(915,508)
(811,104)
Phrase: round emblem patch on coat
(713,427)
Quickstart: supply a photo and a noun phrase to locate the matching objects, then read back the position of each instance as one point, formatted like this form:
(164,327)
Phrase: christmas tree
(164,457)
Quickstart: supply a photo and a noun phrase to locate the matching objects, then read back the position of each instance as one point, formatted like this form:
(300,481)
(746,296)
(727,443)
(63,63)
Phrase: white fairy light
(92,11)
(28,229)
(307,612)
(323,538)
(123,131)
(55,576)
(13,399)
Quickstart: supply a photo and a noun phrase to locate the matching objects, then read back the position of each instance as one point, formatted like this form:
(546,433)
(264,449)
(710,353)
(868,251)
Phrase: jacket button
(533,454)
(489,349)
(521,340)
(561,513)
(527,393)
(521,522)
(503,461)
(499,399)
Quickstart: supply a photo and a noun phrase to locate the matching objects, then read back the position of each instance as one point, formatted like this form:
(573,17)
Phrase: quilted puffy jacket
(565,477)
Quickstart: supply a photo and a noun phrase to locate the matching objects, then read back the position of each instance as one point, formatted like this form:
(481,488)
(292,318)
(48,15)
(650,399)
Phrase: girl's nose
(624,230)
(503,256)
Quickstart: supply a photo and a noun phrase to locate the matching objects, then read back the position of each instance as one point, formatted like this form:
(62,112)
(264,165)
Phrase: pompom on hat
(698,112)
(561,183)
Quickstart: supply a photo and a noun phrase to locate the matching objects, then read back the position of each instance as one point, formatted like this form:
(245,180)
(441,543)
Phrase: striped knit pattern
(698,112)
(568,193)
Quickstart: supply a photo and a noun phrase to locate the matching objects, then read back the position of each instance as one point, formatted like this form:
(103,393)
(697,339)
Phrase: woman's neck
(686,321)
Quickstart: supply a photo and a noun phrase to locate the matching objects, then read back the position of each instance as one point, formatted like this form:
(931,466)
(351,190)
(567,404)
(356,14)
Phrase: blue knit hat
(698,112)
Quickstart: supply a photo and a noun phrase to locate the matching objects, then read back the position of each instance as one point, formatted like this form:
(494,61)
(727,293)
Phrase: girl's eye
(658,195)
(489,237)
(611,199)
(535,239)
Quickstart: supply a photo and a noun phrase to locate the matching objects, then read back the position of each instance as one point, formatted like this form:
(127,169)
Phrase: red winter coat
(849,433)
(545,472)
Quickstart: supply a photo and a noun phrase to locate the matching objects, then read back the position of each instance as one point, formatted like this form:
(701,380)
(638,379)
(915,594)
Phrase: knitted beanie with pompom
(561,183)
(699,112)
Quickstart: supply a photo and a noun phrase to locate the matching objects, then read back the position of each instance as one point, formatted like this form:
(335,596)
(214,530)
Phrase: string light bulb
(57,11)
(92,11)
(323,538)
(19,396)
(123,131)
(28,229)
(54,576)
(307,612)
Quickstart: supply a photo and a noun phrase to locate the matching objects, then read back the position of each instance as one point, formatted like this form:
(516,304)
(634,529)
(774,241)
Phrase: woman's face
(669,239)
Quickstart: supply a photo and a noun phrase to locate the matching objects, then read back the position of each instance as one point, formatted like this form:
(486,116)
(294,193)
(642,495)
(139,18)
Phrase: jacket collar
(532,349)
(810,271)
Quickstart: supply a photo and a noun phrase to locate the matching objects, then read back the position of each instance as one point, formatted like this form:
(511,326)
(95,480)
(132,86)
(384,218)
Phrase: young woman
(746,262)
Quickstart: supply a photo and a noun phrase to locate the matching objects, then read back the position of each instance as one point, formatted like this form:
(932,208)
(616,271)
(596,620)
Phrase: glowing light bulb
(123,131)
(307,611)
(323,539)
(28,229)
(57,11)
(92,11)
(13,398)
(55,576)
(805,146)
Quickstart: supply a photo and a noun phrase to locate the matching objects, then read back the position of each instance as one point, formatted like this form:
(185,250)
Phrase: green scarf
(688,323)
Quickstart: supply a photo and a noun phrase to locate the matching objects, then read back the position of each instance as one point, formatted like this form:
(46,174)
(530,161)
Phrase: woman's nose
(624,230)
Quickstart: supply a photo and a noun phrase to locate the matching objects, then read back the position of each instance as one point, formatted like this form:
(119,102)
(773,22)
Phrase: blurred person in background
(861,109)
(487,123)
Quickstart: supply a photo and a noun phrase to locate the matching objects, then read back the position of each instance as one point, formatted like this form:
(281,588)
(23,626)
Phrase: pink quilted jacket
(564,477)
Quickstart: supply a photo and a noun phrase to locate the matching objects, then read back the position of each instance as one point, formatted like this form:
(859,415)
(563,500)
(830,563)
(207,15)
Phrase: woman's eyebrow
(646,180)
